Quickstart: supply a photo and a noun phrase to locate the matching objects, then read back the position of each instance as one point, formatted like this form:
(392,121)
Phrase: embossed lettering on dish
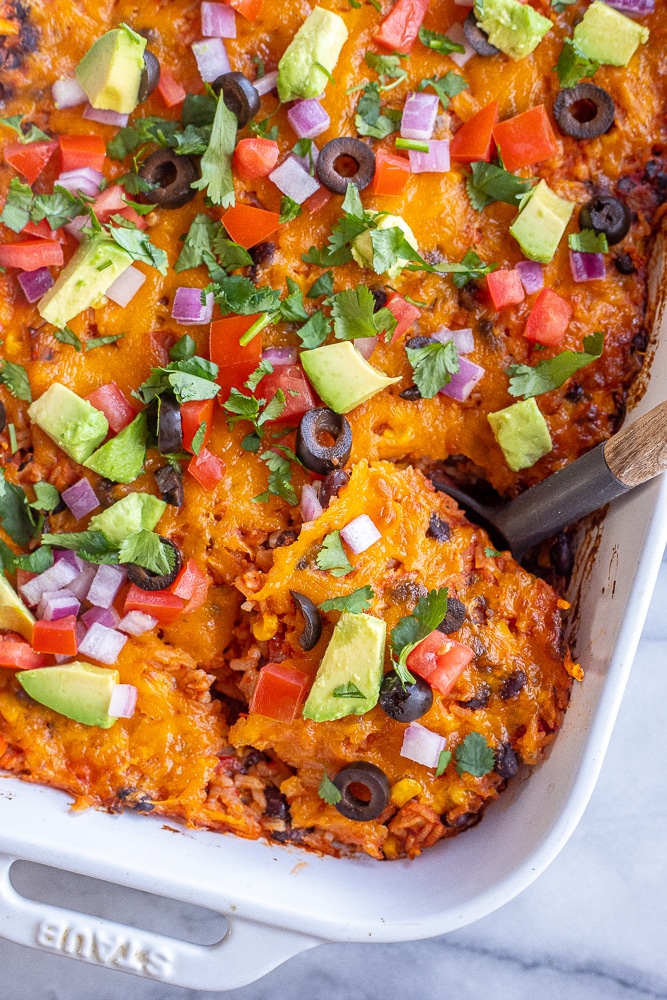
(105,948)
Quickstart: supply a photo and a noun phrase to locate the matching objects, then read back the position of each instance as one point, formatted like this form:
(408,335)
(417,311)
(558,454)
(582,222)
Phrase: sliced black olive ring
(364,791)
(323,440)
(146,580)
(169,425)
(312,621)
(344,161)
(150,76)
(584,111)
(239,95)
(173,175)
(606,214)
(170,484)
(405,704)
(455,617)
(476,38)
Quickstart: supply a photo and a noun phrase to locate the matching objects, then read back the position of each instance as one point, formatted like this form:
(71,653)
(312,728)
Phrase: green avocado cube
(349,677)
(84,281)
(522,433)
(539,226)
(314,49)
(73,423)
(126,516)
(514,28)
(341,377)
(122,458)
(606,36)
(110,72)
(76,690)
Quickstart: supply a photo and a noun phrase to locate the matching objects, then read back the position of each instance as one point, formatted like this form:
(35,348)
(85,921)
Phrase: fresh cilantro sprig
(588,241)
(332,557)
(22,206)
(30,134)
(373,120)
(490,182)
(136,243)
(16,211)
(289,209)
(474,756)
(573,65)
(189,379)
(68,336)
(145,548)
(411,629)
(353,315)
(349,690)
(280,474)
(184,349)
(439,42)
(387,68)
(328,792)
(433,366)
(527,381)
(446,87)
(15,378)
(216,163)
(47,497)
(16,516)
(34,562)
(356,602)
(443,760)
(237,294)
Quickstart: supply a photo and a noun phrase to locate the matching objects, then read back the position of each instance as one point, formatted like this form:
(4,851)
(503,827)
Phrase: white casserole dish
(280,901)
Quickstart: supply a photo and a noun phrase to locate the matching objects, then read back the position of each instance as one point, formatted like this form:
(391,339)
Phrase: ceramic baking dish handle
(248,951)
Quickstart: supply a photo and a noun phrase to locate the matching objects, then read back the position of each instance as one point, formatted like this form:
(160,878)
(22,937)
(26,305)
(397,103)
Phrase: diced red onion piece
(81,498)
(457,35)
(188,308)
(463,339)
(81,583)
(75,227)
(102,644)
(637,7)
(419,113)
(280,355)
(84,180)
(365,346)
(105,616)
(68,93)
(105,116)
(108,581)
(422,745)
(309,119)
(35,283)
(531,274)
(123,699)
(57,604)
(360,534)
(218,20)
(266,83)
(463,381)
(212,59)
(126,286)
(69,556)
(60,575)
(436,161)
(587,266)
(310,506)
(293,180)
(136,623)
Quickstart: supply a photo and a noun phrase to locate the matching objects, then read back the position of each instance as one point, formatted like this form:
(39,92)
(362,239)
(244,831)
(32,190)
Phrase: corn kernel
(404,790)
(265,627)
(390,847)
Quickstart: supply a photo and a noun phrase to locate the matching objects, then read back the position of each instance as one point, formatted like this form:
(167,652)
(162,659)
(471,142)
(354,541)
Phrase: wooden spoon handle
(639,452)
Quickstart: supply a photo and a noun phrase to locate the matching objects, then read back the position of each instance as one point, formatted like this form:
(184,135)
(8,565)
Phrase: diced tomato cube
(247,8)
(207,469)
(248,226)
(526,139)
(55,637)
(42,230)
(19,655)
(114,404)
(317,201)
(191,585)
(161,604)
(474,140)
(404,313)
(549,318)
(400,28)
(299,396)
(255,157)
(193,414)
(28,255)
(169,89)
(279,692)
(439,660)
(82,151)
(505,288)
(29,158)
(235,362)
(391,173)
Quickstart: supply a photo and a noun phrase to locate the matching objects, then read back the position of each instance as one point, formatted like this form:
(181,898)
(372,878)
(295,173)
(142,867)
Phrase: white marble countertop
(592,927)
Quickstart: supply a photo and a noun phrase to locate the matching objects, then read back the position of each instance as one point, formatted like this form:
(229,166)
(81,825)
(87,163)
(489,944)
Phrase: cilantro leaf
(15,378)
(386,66)
(216,163)
(35,562)
(332,556)
(16,211)
(352,312)
(491,553)
(32,134)
(231,255)
(58,208)
(289,209)
(438,42)
(433,366)
(443,761)
(323,286)
(15,515)
(93,546)
(184,349)
(489,182)
(47,497)
(356,602)
(391,249)
(369,119)
(146,548)
(198,110)
(349,690)
(474,756)
(328,792)
(241,407)
(67,336)
(190,378)
(315,331)
(273,409)
(135,184)
(198,242)
(291,307)
(150,129)
(237,294)
(411,629)
(137,243)
(471,268)
(588,241)
(262,369)
(280,475)
(265,130)
(330,256)
(550,374)
(94,342)
(446,87)
(573,65)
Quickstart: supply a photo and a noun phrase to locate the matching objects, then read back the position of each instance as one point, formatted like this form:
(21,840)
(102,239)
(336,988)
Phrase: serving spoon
(634,455)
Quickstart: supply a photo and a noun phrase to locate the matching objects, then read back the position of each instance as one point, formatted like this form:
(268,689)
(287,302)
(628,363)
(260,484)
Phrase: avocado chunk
(110,72)
(319,40)
(522,433)
(514,28)
(341,377)
(76,690)
(14,616)
(83,282)
(539,226)
(362,245)
(354,662)
(606,36)
(126,516)
(71,422)
(122,458)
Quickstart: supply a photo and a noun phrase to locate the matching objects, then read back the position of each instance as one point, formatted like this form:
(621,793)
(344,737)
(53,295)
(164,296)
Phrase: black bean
(624,264)
(252,758)
(412,394)
(574,393)
(276,803)
(640,341)
(332,485)
(513,684)
(507,764)
(263,253)
(476,38)
(407,591)
(462,822)
(455,617)
(3,417)
(481,699)
(345,160)
(414,343)
(279,539)
(380,297)
(239,95)
(585,111)
(561,555)
(438,529)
